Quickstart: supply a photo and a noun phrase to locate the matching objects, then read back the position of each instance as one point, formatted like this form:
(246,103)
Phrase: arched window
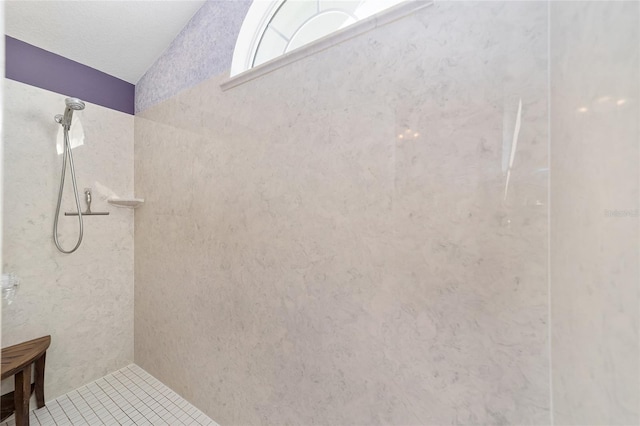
(275,27)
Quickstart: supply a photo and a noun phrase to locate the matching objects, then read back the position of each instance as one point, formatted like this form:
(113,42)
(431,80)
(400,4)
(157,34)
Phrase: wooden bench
(16,361)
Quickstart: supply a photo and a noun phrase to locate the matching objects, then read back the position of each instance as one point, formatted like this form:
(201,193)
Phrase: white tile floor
(130,396)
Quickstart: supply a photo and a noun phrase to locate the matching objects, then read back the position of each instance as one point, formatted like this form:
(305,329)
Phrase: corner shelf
(130,203)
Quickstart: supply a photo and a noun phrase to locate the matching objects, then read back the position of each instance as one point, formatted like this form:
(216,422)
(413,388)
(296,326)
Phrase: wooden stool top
(16,357)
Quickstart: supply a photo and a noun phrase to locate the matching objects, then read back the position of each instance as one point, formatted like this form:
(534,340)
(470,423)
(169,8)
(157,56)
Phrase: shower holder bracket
(88,212)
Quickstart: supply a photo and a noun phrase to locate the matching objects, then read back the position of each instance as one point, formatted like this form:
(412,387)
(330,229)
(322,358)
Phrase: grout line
(133,386)
(75,406)
(149,382)
(136,396)
(63,412)
(89,405)
(128,396)
(104,407)
(549,309)
(48,412)
(155,399)
(116,404)
(170,401)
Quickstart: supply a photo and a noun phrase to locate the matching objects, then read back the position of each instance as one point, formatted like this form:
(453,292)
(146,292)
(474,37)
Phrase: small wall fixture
(130,203)
(87,195)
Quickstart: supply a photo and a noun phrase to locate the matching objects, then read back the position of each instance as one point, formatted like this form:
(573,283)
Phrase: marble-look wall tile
(84,300)
(204,48)
(297,262)
(595,153)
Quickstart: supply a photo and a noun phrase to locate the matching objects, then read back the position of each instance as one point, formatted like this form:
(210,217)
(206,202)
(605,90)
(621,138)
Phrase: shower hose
(67,153)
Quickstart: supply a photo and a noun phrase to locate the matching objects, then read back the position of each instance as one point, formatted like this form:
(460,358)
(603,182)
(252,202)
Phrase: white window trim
(261,12)
(255,23)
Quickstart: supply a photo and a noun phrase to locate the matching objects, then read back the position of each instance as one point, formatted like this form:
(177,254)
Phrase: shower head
(73,104)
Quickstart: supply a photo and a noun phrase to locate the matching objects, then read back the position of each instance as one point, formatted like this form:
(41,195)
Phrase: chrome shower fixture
(73,104)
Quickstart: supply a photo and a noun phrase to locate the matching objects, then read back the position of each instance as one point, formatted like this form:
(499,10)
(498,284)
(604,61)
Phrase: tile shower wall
(595,51)
(84,300)
(337,243)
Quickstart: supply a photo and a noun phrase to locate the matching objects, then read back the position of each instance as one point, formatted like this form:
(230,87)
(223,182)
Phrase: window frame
(260,14)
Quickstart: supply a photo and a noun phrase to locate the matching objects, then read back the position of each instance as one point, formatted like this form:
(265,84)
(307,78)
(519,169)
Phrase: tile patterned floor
(130,396)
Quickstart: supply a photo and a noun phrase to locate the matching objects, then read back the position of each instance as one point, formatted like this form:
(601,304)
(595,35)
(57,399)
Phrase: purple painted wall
(31,65)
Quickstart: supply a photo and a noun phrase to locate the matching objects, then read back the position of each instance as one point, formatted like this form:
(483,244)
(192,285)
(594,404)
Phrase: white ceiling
(118,37)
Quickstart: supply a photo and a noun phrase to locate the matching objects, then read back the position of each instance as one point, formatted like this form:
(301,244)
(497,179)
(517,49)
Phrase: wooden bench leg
(22,395)
(39,380)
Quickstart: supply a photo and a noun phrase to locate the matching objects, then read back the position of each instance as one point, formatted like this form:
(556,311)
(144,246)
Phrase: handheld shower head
(73,104)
